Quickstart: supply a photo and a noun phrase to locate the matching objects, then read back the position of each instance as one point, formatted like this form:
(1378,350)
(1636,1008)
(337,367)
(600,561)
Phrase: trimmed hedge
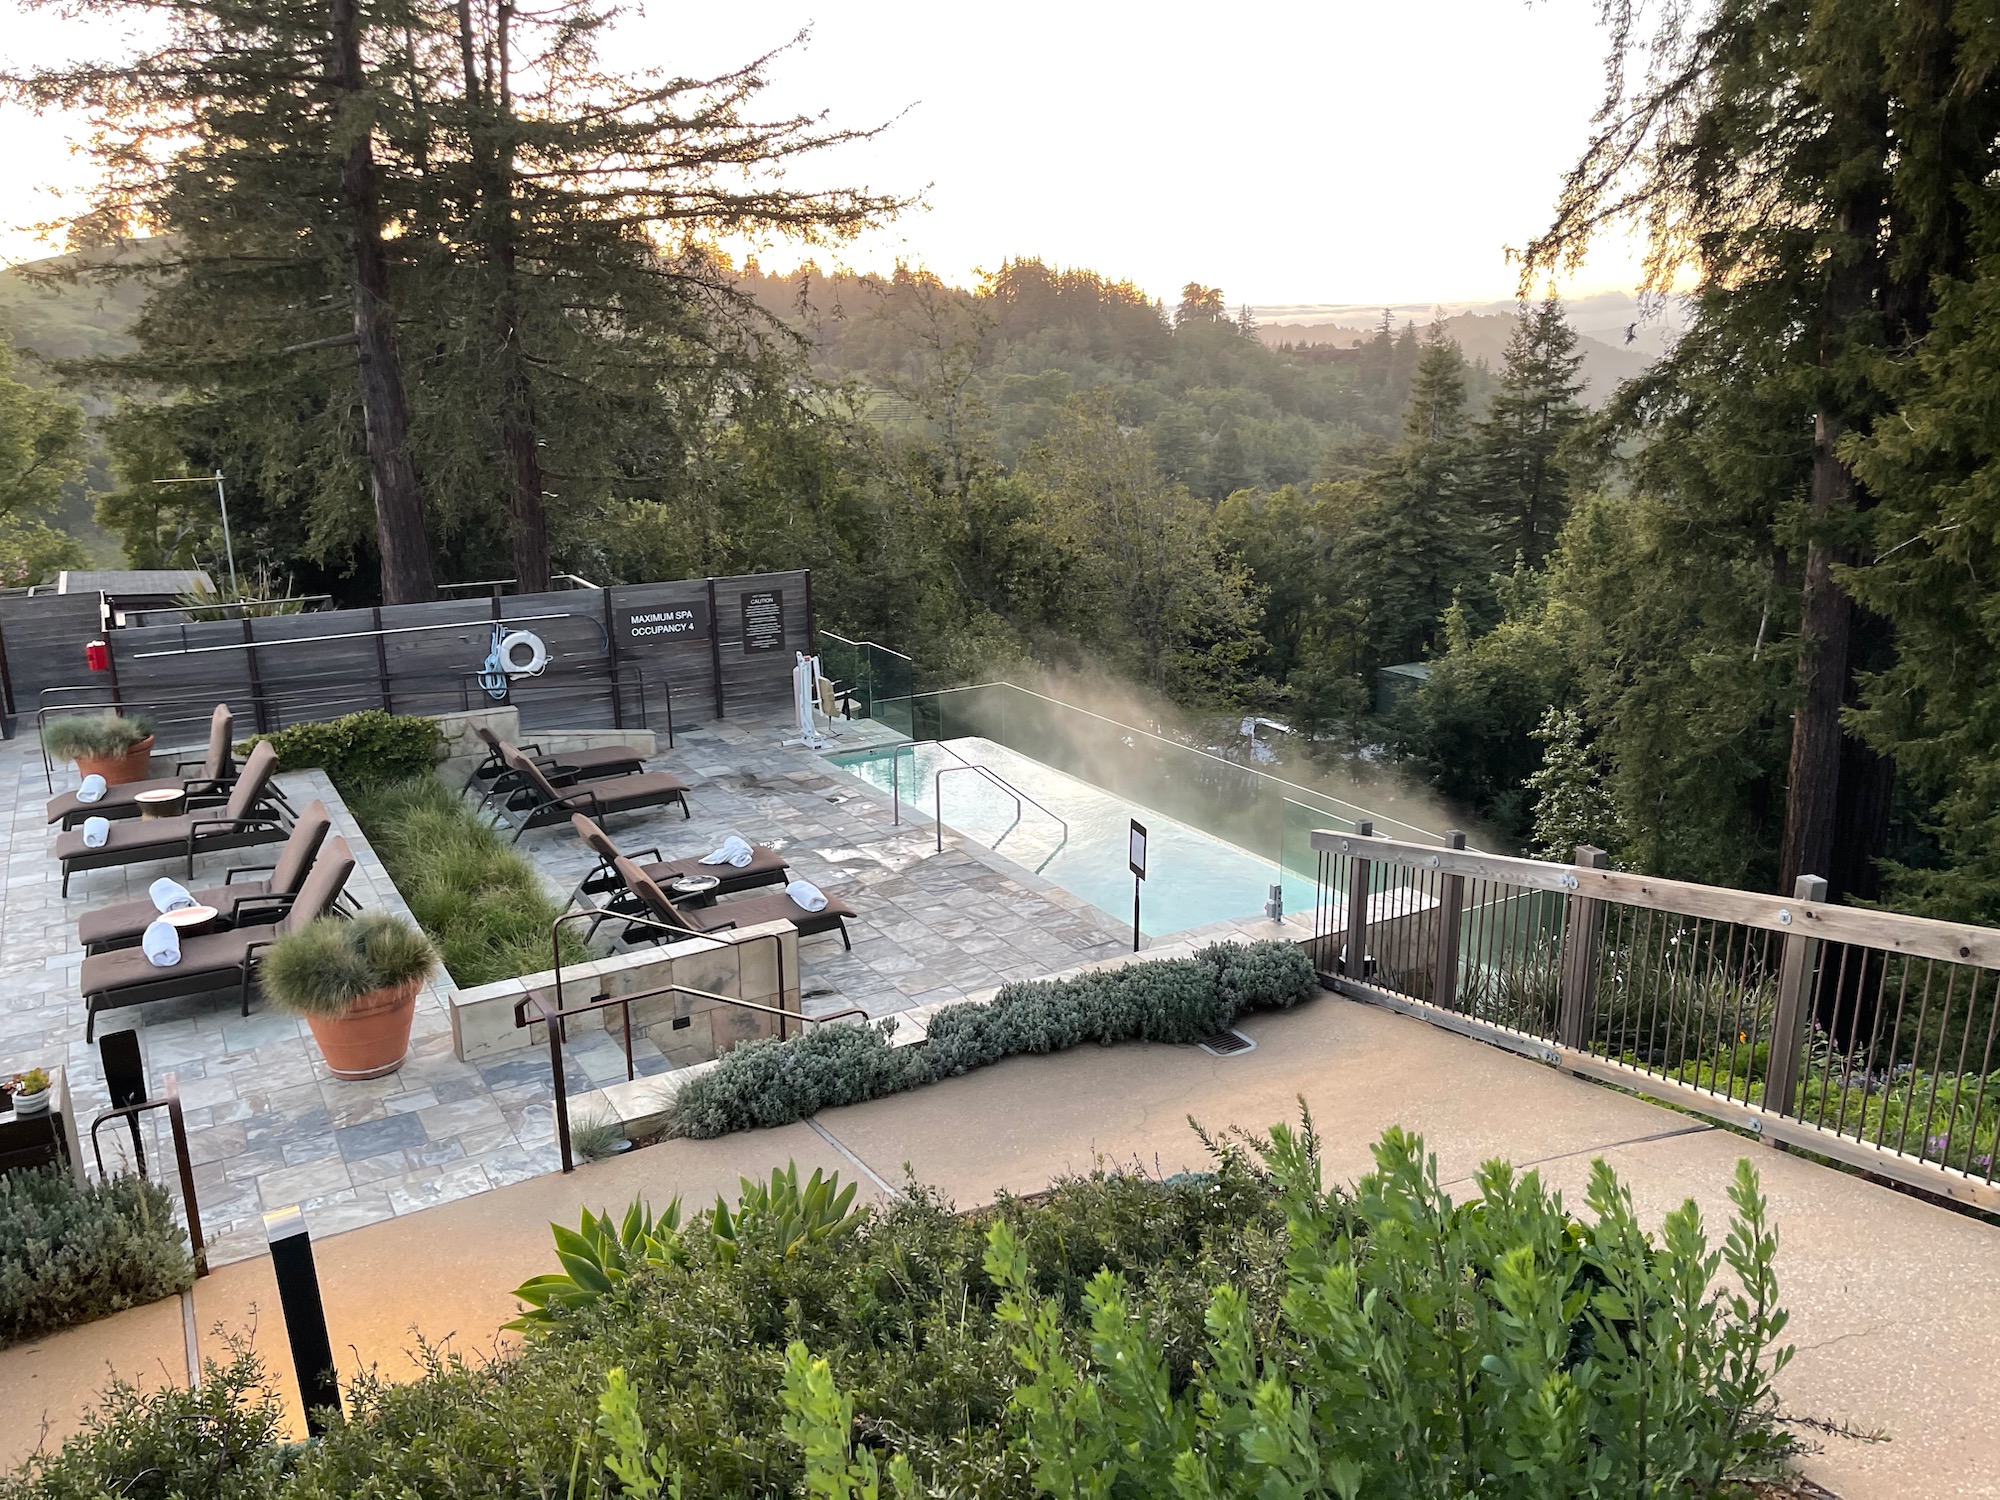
(359,750)
(70,1254)
(1180,1000)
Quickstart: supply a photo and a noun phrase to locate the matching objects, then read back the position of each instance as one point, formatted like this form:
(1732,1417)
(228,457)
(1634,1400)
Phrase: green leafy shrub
(328,964)
(222,1440)
(479,900)
(69,1253)
(359,750)
(70,736)
(1216,1334)
(1180,1000)
(1422,1348)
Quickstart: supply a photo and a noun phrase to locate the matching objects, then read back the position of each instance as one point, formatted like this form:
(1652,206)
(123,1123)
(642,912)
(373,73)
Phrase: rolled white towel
(735,851)
(162,943)
(92,788)
(95,832)
(808,895)
(169,895)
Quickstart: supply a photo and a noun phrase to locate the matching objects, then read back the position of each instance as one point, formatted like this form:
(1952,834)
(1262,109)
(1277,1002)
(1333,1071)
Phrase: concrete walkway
(1895,1303)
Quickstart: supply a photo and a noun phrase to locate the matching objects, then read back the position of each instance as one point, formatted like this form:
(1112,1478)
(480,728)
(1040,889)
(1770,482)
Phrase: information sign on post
(1135,856)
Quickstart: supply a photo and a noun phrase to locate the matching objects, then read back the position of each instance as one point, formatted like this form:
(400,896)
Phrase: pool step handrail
(895,774)
(1019,796)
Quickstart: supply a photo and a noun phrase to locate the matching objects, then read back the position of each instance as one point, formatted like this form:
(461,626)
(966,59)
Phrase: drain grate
(1227,1044)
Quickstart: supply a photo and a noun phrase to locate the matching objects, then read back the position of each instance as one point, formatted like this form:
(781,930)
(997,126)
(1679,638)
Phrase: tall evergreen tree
(1531,414)
(1415,540)
(586,196)
(1811,168)
(252,134)
(471,183)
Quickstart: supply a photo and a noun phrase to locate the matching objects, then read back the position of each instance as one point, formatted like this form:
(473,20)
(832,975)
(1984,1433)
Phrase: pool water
(1192,878)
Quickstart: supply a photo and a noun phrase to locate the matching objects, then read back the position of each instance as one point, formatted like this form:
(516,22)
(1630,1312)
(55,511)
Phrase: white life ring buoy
(511,645)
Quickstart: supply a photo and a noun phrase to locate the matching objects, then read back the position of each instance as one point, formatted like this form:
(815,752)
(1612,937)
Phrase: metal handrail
(556,1018)
(1287,787)
(366,694)
(937,786)
(890,650)
(170,1101)
(367,635)
(895,785)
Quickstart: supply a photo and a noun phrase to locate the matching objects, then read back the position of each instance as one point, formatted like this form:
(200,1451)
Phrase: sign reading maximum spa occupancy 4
(673,622)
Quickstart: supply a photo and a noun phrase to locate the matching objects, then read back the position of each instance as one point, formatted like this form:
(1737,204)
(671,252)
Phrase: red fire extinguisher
(97,656)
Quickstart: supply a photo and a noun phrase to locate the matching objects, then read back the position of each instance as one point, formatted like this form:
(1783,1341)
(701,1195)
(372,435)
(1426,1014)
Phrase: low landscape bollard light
(304,1314)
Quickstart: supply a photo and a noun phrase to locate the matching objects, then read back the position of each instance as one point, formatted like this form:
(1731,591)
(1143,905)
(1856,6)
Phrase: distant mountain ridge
(1481,335)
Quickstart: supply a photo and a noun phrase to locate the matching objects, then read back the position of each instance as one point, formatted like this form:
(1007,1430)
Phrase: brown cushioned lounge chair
(562,768)
(217,768)
(745,911)
(597,799)
(766,867)
(253,815)
(124,924)
(212,960)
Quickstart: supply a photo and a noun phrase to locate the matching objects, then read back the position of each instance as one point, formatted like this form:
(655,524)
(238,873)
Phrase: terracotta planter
(373,1037)
(134,765)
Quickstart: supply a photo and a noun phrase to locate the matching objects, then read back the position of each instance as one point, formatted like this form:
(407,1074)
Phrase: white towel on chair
(92,788)
(95,832)
(808,895)
(735,851)
(162,943)
(169,895)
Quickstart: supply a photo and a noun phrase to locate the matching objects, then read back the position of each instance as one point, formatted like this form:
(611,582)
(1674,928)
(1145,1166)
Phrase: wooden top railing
(1866,1036)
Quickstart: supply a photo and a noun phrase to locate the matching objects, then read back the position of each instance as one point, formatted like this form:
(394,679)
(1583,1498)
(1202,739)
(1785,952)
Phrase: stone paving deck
(269,1126)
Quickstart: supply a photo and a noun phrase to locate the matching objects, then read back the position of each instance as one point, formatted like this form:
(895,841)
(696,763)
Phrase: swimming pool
(1192,877)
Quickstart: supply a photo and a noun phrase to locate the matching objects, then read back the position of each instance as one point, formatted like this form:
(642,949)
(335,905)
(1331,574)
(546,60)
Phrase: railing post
(1354,957)
(1451,913)
(1583,926)
(1788,1026)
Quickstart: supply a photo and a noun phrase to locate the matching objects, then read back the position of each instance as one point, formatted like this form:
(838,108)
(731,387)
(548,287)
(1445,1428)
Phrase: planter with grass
(31,1092)
(356,984)
(118,747)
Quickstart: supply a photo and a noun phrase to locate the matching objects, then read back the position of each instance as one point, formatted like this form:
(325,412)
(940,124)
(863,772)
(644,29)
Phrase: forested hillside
(1733,623)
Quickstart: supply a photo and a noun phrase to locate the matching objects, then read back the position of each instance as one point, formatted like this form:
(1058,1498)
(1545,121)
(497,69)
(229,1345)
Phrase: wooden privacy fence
(632,655)
(1863,1036)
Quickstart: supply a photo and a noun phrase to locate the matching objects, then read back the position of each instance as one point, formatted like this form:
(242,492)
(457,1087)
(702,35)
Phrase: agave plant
(597,1256)
(782,1215)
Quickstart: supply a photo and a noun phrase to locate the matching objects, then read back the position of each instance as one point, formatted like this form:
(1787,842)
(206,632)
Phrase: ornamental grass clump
(78,736)
(480,900)
(328,964)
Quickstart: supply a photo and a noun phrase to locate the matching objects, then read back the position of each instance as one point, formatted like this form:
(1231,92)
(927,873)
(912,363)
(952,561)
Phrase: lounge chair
(212,960)
(253,815)
(569,766)
(598,799)
(217,768)
(748,911)
(766,867)
(124,924)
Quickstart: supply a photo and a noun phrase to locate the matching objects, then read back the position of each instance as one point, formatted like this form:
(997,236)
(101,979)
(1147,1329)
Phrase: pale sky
(1348,151)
